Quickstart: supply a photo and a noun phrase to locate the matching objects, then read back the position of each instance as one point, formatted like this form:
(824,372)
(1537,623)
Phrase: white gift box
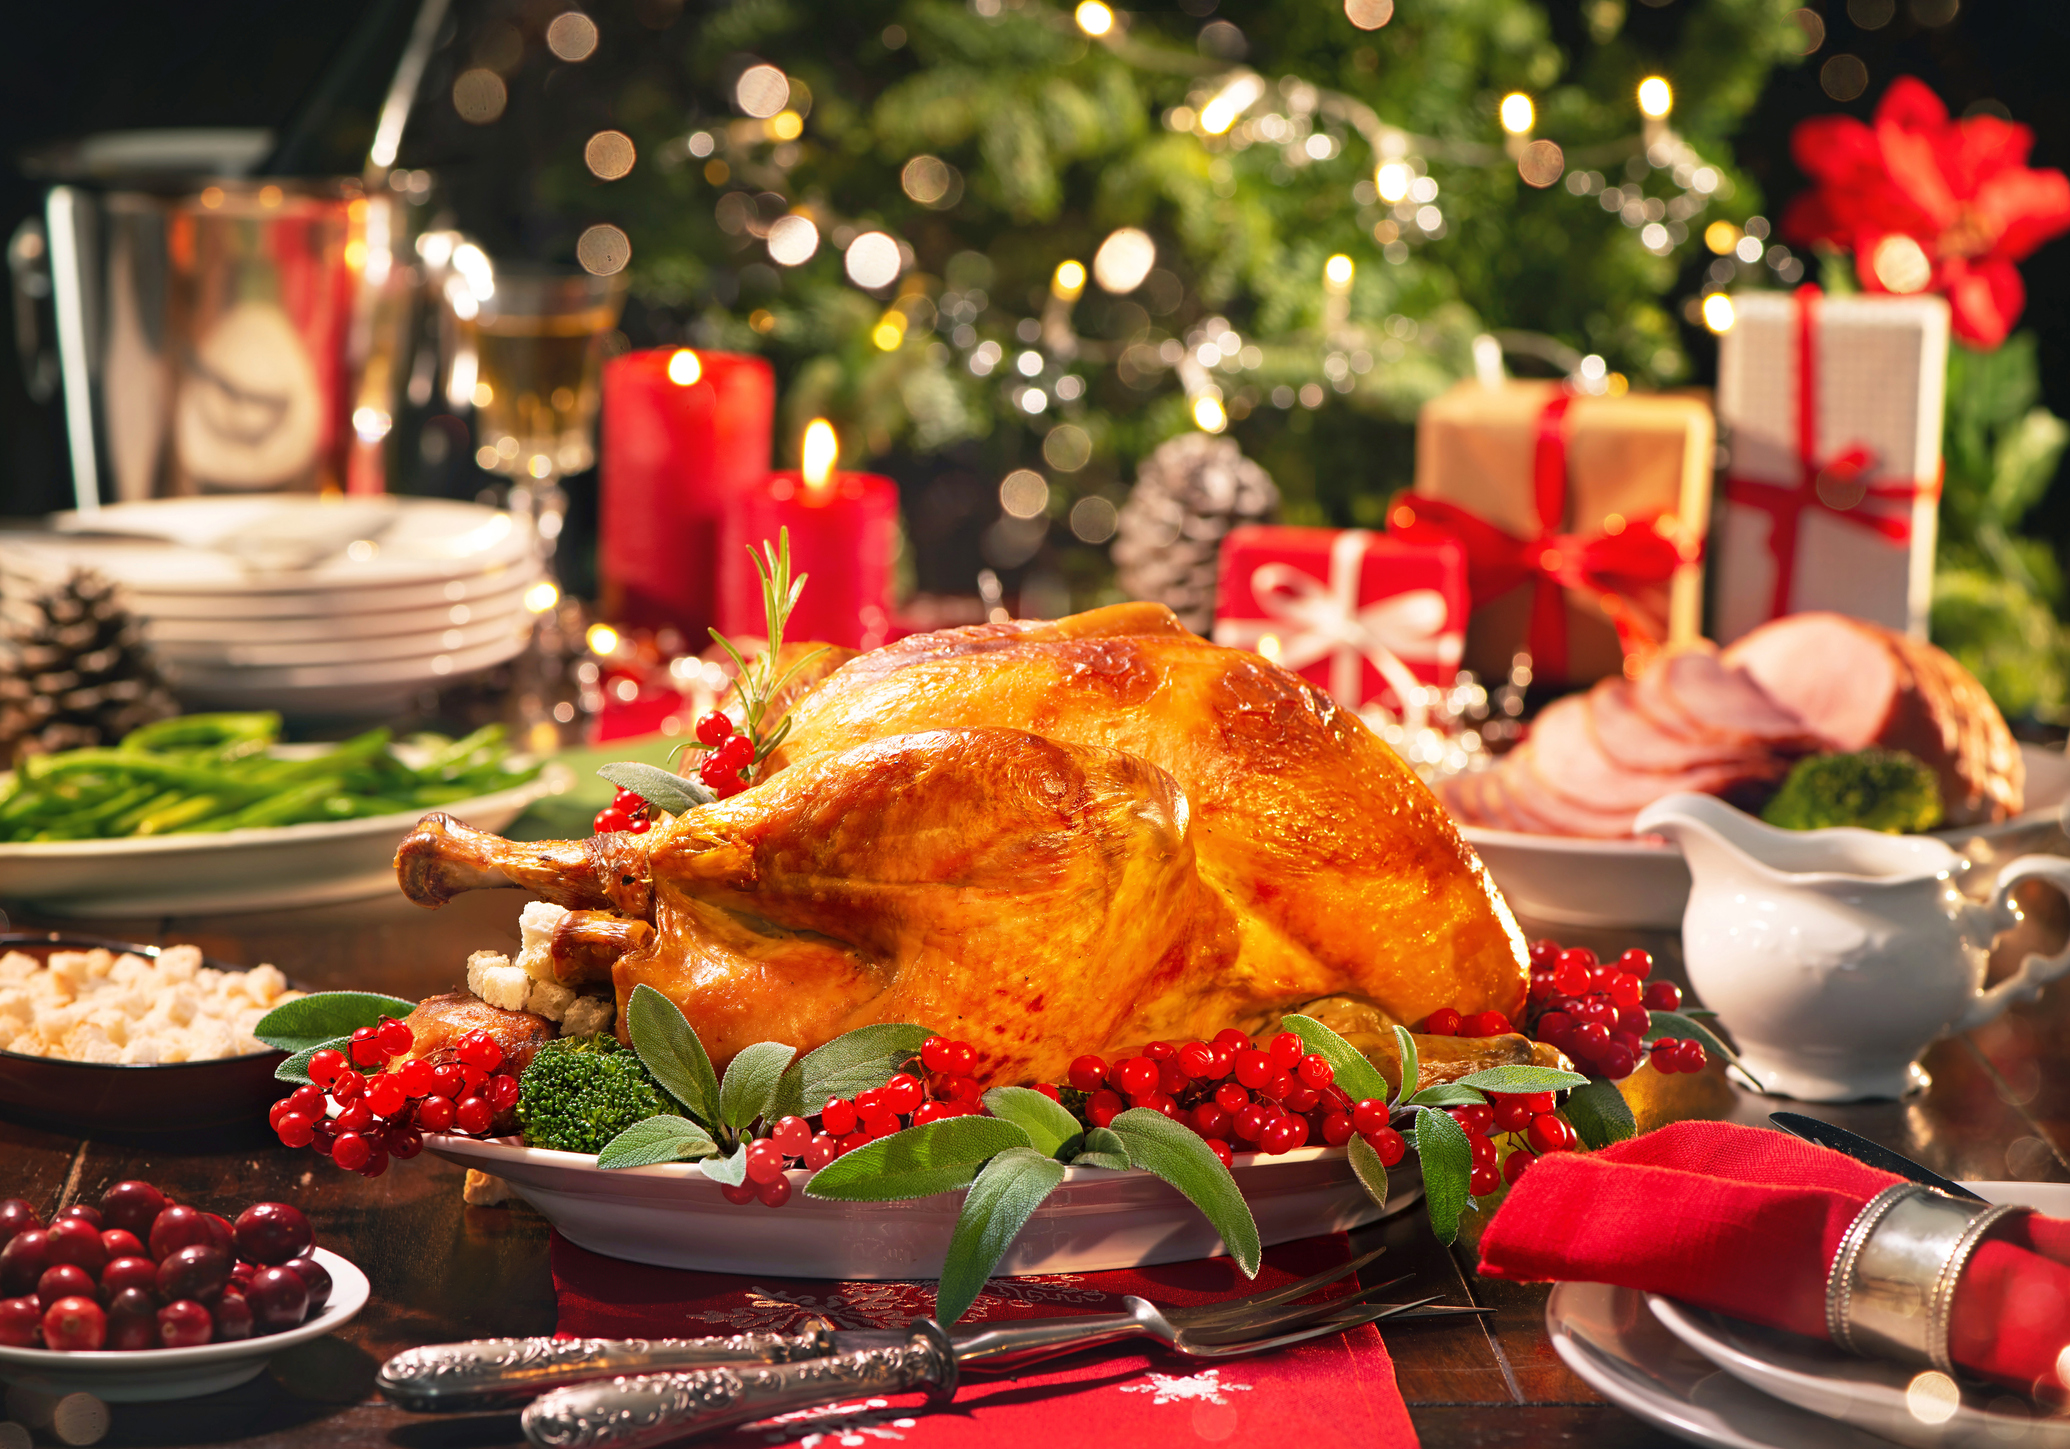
(1853,470)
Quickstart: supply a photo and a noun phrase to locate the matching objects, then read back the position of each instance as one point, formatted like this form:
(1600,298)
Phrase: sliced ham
(1693,692)
(1857,684)
(1636,740)
(1524,795)
(1567,758)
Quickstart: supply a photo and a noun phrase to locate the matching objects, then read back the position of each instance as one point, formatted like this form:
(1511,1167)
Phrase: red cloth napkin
(1330,1391)
(1747,1221)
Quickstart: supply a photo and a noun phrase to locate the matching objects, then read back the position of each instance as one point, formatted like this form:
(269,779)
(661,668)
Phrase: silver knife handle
(653,1409)
(498,1372)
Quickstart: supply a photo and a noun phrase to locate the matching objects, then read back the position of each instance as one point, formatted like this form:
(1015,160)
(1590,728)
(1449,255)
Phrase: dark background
(70,70)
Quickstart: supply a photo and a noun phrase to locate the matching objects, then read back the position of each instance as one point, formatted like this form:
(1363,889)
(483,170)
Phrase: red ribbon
(1835,486)
(1610,567)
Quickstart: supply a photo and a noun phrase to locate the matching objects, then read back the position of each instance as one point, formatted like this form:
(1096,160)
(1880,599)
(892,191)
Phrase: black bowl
(128,1097)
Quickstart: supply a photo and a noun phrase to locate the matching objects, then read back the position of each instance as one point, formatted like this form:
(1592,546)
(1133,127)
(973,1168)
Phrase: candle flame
(820,450)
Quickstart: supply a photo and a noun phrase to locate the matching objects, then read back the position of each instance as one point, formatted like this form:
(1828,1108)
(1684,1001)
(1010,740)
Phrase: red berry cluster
(943,1088)
(383,1114)
(142,1272)
(627,812)
(1533,1125)
(1447,1022)
(728,752)
(1599,1013)
(1236,1095)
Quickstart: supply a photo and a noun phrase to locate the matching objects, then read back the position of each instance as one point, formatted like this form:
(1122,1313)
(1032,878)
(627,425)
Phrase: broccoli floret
(1885,790)
(581,1091)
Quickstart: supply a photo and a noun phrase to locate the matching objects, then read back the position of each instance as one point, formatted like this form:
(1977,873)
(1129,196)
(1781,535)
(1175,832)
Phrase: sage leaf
(319,1020)
(658,1139)
(1447,1160)
(1412,1069)
(1182,1158)
(658,787)
(296,1067)
(730,1170)
(1447,1094)
(1518,1079)
(1674,1023)
(1367,1167)
(1102,1148)
(857,1061)
(1599,1114)
(1048,1125)
(750,1084)
(1353,1072)
(669,1049)
(921,1161)
(1001,1200)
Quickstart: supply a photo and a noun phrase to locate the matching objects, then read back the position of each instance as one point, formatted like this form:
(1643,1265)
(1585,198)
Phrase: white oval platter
(673,1216)
(148,1375)
(237,870)
(1644,884)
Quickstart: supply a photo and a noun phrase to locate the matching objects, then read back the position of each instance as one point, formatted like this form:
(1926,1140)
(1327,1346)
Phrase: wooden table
(1999,1107)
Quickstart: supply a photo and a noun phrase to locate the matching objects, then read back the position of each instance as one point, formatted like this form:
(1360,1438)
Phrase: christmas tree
(1006,235)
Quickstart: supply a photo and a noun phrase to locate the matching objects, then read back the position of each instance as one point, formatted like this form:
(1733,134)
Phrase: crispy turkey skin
(1046,839)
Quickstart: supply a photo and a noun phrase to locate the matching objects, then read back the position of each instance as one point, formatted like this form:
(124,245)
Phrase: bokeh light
(571,35)
(1656,97)
(926,179)
(479,95)
(609,155)
(1124,260)
(1901,264)
(1094,18)
(1024,493)
(873,260)
(792,240)
(1069,280)
(762,91)
(1718,312)
(603,250)
(1369,14)
(684,368)
(1518,113)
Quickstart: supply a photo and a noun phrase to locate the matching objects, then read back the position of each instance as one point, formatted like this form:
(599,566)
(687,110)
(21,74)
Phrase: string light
(1068,282)
(1337,274)
(1656,97)
(1901,264)
(1208,414)
(1718,312)
(1094,18)
(1518,114)
(1219,114)
(1124,260)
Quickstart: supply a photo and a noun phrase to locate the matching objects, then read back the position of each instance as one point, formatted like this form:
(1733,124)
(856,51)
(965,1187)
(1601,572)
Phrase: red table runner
(1328,1392)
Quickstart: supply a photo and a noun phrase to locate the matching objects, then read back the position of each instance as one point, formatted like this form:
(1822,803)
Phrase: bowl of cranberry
(137,1298)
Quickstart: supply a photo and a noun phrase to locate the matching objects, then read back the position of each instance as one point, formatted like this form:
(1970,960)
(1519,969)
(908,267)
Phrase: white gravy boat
(1837,956)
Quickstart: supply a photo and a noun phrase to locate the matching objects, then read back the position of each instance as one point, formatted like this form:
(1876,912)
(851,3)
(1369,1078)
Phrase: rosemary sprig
(759,683)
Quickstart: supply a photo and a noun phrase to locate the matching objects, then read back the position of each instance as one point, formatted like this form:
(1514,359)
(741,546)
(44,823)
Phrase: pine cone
(1189,493)
(80,675)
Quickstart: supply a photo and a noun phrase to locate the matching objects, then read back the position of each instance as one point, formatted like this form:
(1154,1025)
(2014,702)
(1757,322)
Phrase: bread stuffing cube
(549,999)
(491,977)
(536,926)
(586,1014)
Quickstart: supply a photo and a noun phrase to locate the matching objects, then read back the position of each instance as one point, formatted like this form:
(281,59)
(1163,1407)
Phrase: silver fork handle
(496,1372)
(653,1409)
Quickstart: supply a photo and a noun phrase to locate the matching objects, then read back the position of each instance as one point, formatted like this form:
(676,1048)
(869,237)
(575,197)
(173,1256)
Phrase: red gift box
(1366,617)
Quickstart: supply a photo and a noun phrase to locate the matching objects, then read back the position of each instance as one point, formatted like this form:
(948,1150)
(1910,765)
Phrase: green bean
(186,812)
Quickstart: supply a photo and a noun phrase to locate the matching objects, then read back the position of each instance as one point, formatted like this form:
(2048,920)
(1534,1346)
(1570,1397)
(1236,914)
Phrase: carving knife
(1869,1154)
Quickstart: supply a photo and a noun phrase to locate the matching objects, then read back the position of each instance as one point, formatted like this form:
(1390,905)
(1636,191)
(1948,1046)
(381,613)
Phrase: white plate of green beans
(210,812)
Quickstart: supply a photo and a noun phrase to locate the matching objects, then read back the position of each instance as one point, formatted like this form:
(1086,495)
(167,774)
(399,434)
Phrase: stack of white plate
(300,604)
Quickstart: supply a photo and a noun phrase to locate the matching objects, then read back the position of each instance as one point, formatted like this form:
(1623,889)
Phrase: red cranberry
(21,1322)
(1196,1059)
(23,1260)
(197,1271)
(1231,1097)
(1086,1074)
(1442,1022)
(386,1095)
(474,1114)
(132,1321)
(394,1036)
(1229,1036)
(1636,962)
(903,1092)
(185,1324)
(1389,1144)
(1618,1061)
(1210,1119)
(820,1150)
(315,1278)
(837,1117)
(1104,1106)
(75,1325)
(1484,1181)
(1301,1100)
(1478,1119)
(713,729)
(1592,1037)
(1137,1076)
(134,1271)
(1369,1115)
(1337,1129)
(83,1212)
(1512,1114)
(1278,1136)
(1286,1050)
(1549,1134)
(16,1216)
(1515,1165)
(63,1280)
(178,1226)
(740,1195)
(75,1240)
(346,1088)
(221,1235)
(273,1232)
(234,1317)
(1485,1023)
(773,1194)
(279,1299)
(1249,1124)
(1222,1152)
(120,1243)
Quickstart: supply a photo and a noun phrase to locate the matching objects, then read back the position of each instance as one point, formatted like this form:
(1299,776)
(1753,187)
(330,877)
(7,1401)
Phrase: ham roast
(1046,838)
(1857,684)
(1732,725)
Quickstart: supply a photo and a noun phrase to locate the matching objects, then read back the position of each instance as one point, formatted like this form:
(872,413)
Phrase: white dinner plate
(1720,1381)
(149,1375)
(376,650)
(237,870)
(1644,884)
(375,687)
(171,632)
(302,604)
(674,1217)
(276,543)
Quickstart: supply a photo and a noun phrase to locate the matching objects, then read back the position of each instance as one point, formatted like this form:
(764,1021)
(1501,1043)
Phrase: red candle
(844,533)
(683,432)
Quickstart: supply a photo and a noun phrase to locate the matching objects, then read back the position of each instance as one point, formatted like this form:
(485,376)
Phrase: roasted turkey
(1046,838)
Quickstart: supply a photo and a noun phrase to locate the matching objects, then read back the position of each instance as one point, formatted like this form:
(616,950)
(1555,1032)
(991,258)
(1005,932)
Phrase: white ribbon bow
(1312,620)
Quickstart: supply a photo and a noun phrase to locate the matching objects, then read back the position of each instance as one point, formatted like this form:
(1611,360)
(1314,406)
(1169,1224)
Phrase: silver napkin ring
(1891,1290)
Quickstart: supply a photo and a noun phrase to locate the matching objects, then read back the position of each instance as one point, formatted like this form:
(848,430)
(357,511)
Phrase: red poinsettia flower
(1926,203)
